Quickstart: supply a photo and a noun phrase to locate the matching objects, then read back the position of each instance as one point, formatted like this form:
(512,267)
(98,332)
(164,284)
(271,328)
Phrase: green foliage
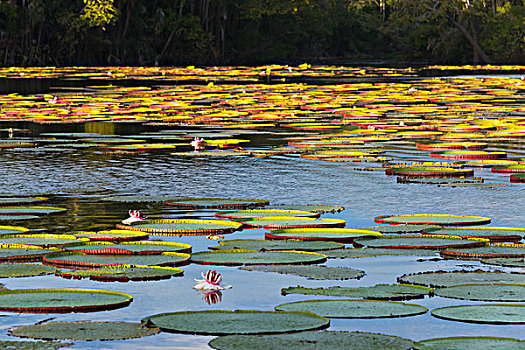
(99,13)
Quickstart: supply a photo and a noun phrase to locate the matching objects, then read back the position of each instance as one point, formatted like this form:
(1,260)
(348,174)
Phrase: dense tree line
(212,32)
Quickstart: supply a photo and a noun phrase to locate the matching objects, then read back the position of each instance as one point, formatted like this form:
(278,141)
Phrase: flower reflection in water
(211,297)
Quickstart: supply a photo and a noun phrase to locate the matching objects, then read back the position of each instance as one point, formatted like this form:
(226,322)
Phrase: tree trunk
(472,40)
(172,34)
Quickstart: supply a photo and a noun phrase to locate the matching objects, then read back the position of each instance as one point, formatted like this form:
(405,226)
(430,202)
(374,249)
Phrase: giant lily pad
(22,252)
(484,292)
(112,235)
(38,211)
(312,340)
(243,214)
(397,229)
(237,257)
(187,227)
(41,240)
(24,270)
(62,300)
(223,322)
(216,203)
(461,343)
(355,308)
(262,244)
(31,345)
(508,262)
(378,292)
(123,273)
(99,260)
(140,198)
(485,313)
(285,222)
(440,279)
(321,234)
(314,272)
(6,230)
(492,233)
(373,252)
(317,208)
(142,247)
(18,217)
(419,242)
(429,171)
(22,200)
(84,330)
(496,250)
(432,219)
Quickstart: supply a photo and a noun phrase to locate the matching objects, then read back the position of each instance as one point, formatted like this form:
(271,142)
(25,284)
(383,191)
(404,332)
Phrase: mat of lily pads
(355,308)
(6,230)
(404,228)
(22,200)
(496,250)
(314,272)
(433,219)
(262,244)
(84,330)
(24,270)
(507,262)
(317,208)
(378,292)
(142,247)
(285,222)
(352,253)
(462,343)
(123,273)
(225,322)
(485,313)
(485,292)
(492,233)
(321,234)
(32,345)
(112,235)
(418,242)
(236,257)
(61,300)
(21,252)
(216,203)
(441,279)
(41,240)
(311,340)
(243,214)
(182,227)
(38,210)
(99,260)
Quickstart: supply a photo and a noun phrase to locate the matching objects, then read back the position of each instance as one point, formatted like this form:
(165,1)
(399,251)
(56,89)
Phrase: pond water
(80,179)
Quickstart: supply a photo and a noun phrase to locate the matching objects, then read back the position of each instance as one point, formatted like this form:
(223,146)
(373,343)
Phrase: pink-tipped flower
(197,143)
(211,281)
(134,216)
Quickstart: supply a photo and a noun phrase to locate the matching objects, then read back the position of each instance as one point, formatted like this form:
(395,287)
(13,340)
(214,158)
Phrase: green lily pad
(84,330)
(24,270)
(262,244)
(321,234)
(485,313)
(99,260)
(287,222)
(439,181)
(484,292)
(32,345)
(22,252)
(462,343)
(377,292)
(355,308)
(62,300)
(353,253)
(508,262)
(141,199)
(216,203)
(255,213)
(492,233)
(112,235)
(142,247)
(16,218)
(22,200)
(187,227)
(41,240)
(38,211)
(312,340)
(317,208)
(314,272)
(419,242)
(496,250)
(6,230)
(441,279)
(237,257)
(432,219)
(123,273)
(396,229)
(224,322)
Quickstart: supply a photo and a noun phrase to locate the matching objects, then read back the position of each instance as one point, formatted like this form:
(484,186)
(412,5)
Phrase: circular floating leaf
(429,171)
(492,233)
(468,155)
(517,178)
(143,247)
(84,330)
(21,252)
(41,240)
(261,244)
(140,199)
(237,257)
(321,234)
(449,181)
(396,229)
(284,222)
(378,292)
(419,242)
(496,250)
(217,203)
(223,322)
(100,260)
(5,230)
(61,300)
(508,262)
(432,219)
(243,214)
(461,343)
(312,340)
(316,208)
(355,308)
(484,292)
(509,169)
(187,227)
(440,279)
(112,235)
(485,313)
(31,345)
(314,272)
(124,273)
(24,270)
(22,200)
(38,211)
(18,217)
(372,252)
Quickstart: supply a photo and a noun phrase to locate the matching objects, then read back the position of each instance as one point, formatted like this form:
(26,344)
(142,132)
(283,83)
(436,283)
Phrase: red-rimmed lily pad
(224,322)
(377,292)
(507,262)
(285,222)
(510,169)
(485,313)
(355,308)
(461,343)
(353,253)
(238,257)
(216,203)
(495,250)
(429,171)
(397,229)
(432,219)
(419,242)
(492,233)
(441,279)
(21,252)
(32,210)
(22,200)
(314,272)
(317,208)
(62,300)
(311,340)
(142,247)
(484,292)
(84,330)
(321,234)
(32,345)
(68,259)
(44,240)
(263,245)
(517,178)
(468,155)
(8,270)
(186,227)
(5,230)
(243,214)
(112,235)
(123,273)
